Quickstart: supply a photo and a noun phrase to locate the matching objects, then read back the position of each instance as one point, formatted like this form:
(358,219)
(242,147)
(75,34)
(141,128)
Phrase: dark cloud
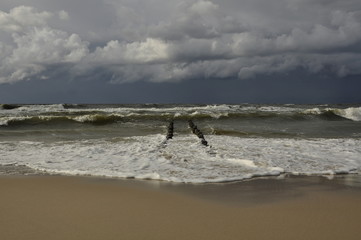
(294,87)
(175,41)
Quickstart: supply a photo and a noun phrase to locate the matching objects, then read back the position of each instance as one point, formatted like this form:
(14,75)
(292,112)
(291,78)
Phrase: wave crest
(352,113)
(31,114)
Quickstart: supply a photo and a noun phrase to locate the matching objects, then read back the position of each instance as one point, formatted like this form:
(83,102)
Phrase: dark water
(67,121)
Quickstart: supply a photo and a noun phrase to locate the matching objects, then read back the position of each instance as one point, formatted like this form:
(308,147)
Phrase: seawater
(129,141)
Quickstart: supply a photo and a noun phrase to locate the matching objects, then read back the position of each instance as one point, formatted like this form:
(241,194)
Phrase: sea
(243,141)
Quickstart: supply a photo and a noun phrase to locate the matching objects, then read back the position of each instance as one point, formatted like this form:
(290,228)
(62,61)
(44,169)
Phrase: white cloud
(19,18)
(196,19)
(203,7)
(63,15)
(148,51)
(45,45)
(35,45)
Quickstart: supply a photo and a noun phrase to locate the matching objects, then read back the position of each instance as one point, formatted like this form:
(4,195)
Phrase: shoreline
(63,207)
(243,192)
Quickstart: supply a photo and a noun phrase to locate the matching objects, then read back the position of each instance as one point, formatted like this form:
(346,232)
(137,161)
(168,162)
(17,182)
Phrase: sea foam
(184,159)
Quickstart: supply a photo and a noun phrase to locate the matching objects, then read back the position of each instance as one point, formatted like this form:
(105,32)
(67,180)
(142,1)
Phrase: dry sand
(66,208)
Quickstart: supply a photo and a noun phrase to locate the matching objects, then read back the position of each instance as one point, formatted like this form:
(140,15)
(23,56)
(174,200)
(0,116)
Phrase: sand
(54,207)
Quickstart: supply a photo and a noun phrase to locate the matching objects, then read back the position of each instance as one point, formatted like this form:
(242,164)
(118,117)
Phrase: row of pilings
(192,126)
(197,132)
(170,130)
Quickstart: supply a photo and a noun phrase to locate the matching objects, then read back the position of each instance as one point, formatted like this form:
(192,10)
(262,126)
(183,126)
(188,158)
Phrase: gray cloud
(167,41)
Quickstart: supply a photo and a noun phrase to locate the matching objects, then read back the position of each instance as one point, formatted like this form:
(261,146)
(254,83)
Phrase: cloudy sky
(180,51)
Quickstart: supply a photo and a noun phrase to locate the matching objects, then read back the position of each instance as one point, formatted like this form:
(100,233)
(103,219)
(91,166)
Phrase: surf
(185,159)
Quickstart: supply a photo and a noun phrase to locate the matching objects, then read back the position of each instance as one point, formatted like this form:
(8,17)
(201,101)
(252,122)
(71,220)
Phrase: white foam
(245,162)
(315,111)
(41,108)
(184,159)
(351,113)
(277,109)
(4,121)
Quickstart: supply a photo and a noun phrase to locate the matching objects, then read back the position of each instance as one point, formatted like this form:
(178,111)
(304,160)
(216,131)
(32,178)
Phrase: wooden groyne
(170,130)
(197,132)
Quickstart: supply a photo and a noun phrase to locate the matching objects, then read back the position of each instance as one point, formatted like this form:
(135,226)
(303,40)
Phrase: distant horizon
(165,103)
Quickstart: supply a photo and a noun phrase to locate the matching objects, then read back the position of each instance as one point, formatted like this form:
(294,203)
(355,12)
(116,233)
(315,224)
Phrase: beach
(142,171)
(63,207)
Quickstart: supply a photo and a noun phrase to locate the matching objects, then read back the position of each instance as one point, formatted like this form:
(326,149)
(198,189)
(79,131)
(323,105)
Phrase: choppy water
(129,141)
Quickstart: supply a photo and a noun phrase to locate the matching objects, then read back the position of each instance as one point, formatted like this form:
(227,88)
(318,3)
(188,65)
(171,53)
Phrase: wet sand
(55,207)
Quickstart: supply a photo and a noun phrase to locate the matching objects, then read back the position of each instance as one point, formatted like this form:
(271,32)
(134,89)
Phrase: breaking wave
(353,113)
(38,114)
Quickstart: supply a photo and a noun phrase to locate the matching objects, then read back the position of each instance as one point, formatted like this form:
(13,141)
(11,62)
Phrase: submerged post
(170,130)
(197,132)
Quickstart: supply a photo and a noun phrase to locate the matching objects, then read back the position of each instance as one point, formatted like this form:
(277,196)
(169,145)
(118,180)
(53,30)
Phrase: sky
(180,51)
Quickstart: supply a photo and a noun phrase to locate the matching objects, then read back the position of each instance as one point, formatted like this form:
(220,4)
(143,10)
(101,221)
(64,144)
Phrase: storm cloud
(173,41)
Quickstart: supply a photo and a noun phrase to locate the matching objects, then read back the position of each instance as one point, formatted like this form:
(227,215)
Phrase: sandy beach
(55,207)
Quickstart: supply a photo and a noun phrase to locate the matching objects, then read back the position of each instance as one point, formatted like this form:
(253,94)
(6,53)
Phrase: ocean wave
(30,120)
(351,113)
(109,118)
(30,114)
(97,118)
(41,108)
(8,106)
